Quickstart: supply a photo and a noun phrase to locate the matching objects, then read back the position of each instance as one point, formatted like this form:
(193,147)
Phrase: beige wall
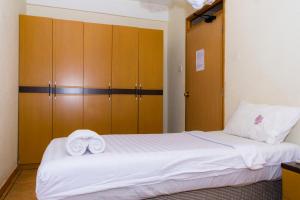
(176,65)
(262,62)
(61,13)
(262,54)
(9,45)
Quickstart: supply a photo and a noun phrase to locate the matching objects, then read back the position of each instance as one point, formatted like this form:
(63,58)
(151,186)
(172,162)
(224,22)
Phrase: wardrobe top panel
(85,22)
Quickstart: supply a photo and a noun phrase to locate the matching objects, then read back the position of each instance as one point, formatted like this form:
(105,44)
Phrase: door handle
(141,88)
(55,90)
(109,91)
(187,94)
(136,91)
(49,88)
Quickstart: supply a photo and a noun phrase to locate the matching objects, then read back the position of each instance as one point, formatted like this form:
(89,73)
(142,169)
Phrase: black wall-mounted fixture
(208,18)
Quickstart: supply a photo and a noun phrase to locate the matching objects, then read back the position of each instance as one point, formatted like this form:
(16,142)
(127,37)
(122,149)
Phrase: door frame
(189,19)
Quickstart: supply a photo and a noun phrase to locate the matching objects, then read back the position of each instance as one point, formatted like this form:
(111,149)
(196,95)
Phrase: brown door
(204,105)
(124,114)
(150,78)
(151,114)
(68,53)
(68,77)
(35,51)
(151,59)
(97,75)
(124,76)
(97,113)
(97,55)
(125,57)
(67,114)
(35,110)
(35,126)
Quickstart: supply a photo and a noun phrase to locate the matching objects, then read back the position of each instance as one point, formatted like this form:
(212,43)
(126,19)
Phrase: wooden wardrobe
(76,75)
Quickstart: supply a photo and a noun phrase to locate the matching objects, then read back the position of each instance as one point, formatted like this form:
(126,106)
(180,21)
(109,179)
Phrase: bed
(148,166)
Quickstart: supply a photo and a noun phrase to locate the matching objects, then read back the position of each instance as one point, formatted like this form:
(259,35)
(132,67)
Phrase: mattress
(143,166)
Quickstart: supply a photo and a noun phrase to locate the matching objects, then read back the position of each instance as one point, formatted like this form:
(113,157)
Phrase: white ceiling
(162,2)
(157,10)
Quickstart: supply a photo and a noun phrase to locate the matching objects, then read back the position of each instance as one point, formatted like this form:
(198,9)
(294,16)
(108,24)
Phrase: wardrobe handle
(109,91)
(136,91)
(141,88)
(55,90)
(49,88)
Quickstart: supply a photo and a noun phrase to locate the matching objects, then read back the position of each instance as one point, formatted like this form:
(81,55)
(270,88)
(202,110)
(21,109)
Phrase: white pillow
(263,123)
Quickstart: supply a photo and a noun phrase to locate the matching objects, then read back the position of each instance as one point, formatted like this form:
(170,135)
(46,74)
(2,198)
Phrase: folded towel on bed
(79,141)
(96,144)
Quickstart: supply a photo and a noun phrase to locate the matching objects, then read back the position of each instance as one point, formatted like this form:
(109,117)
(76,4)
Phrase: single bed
(137,167)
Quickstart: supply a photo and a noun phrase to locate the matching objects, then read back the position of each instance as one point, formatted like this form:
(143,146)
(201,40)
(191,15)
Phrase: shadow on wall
(160,5)
(155,6)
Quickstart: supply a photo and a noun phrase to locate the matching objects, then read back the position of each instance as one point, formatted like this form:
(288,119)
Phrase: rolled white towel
(77,142)
(80,140)
(96,144)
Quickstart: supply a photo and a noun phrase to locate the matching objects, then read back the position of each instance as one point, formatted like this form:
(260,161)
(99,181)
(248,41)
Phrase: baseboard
(28,166)
(9,181)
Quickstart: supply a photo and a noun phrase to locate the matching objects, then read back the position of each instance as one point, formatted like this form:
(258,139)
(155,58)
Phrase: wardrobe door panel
(125,57)
(97,113)
(151,114)
(151,78)
(97,55)
(124,114)
(35,51)
(68,75)
(67,114)
(68,53)
(151,58)
(35,126)
(97,74)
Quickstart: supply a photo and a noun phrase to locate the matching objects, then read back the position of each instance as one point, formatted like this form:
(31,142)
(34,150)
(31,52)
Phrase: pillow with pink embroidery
(263,123)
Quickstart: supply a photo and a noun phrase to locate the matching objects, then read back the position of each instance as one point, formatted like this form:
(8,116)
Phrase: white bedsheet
(144,160)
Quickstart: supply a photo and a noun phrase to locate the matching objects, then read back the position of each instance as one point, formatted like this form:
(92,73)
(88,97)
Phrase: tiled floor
(23,187)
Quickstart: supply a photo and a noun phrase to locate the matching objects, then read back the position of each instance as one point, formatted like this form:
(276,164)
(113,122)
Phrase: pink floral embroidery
(259,119)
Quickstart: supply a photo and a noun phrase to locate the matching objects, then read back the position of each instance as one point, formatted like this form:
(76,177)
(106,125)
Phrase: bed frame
(266,190)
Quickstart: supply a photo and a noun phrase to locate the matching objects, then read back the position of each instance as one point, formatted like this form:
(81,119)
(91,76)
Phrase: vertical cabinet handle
(49,88)
(55,90)
(109,91)
(141,88)
(136,91)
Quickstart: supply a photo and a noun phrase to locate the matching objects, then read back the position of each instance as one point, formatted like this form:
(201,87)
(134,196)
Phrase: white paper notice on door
(200,60)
